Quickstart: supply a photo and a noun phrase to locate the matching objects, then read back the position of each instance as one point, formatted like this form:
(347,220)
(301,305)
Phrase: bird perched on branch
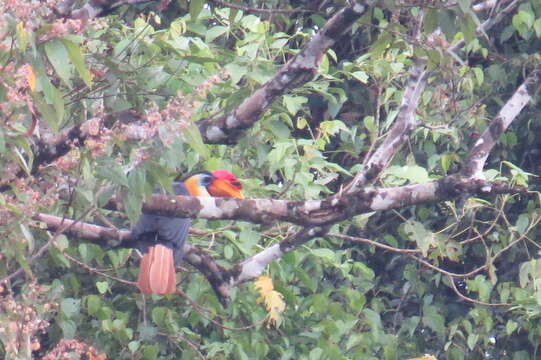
(162,238)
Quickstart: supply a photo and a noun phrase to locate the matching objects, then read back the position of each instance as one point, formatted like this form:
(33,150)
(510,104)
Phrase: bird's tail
(157,271)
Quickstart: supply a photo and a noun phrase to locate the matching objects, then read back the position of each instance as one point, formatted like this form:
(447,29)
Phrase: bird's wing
(173,233)
(166,230)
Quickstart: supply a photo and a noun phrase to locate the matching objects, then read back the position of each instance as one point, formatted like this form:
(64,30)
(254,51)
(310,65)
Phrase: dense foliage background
(456,279)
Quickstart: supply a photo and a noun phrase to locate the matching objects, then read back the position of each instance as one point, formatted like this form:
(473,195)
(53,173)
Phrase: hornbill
(161,238)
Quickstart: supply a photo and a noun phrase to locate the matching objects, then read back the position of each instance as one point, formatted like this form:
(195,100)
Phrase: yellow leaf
(424,357)
(31,78)
(264,285)
(22,36)
(272,299)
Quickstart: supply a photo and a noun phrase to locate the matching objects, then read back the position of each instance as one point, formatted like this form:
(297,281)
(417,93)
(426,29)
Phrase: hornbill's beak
(223,188)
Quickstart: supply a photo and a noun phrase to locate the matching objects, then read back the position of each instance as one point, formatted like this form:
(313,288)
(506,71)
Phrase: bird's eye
(206,180)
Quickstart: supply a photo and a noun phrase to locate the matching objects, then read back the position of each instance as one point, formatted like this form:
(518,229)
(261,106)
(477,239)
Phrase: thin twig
(200,309)
(183,339)
(96,271)
(375,243)
(44,248)
(469,299)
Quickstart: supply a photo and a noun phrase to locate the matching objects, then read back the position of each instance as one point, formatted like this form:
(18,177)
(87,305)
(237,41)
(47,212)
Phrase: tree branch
(215,274)
(479,153)
(227,128)
(400,131)
(320,212)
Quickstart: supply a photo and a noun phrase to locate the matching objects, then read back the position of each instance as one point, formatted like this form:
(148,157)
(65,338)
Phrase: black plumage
(166,230)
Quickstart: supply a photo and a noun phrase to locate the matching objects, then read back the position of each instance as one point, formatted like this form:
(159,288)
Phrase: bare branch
(473,301)
(320,212)
(478,155)
(253,267)
(400,131)
(227,128)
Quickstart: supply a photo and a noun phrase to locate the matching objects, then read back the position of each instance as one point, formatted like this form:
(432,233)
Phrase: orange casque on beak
(222,188)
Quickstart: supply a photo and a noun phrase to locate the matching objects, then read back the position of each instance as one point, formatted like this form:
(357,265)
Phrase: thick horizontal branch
(321,212)
(95,233)
(227,128)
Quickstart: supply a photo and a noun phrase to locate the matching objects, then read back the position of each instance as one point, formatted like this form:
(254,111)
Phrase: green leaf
(525,16)
(28,236)
(22,36)
(468,27)
(417,232)
(537,27)
(479,75)
(472,340)
(69,328)
(413,173)
(362,76)
(59,58)
(325,254)
(228,252)
(464,5)
(193,138)
(47,112)
(323,67)
(92,304)
(248,239)
(510,326)
(62,242)
(133,204)
(150,352)
(160,315)
(69,307)
(506,34)
(522,223)
(102,286)
(195,8)
(76,57)
(293,104)
(52,97)
(133,346)
(215,32)
(433,319)
(236,71)
(369,123)
(114,173)
(430,21)
(177,28)
(373,320)
(2,142)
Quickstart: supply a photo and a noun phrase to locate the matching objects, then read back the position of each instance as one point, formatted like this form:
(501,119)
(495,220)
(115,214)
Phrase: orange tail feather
(157,271)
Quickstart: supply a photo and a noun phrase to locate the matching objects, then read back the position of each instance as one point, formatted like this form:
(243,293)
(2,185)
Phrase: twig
(469,299)
(374,243)
(61,229)
(183,339)
(96,271)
